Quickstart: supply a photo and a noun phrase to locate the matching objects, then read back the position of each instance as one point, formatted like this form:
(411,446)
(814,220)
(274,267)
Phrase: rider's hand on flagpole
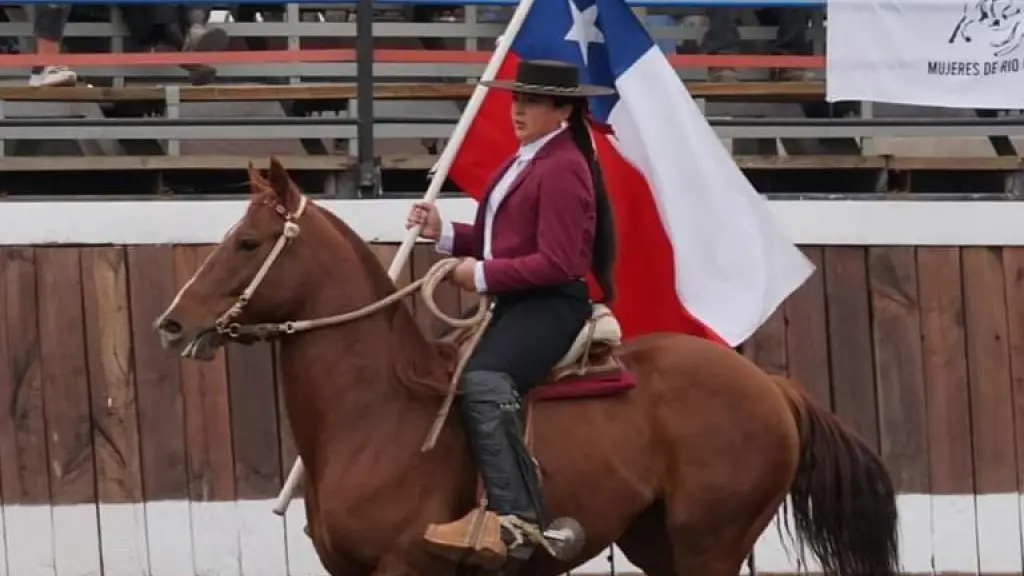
(427,216)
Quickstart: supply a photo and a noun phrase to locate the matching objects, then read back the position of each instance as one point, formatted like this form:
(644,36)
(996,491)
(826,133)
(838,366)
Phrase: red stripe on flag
(644,271)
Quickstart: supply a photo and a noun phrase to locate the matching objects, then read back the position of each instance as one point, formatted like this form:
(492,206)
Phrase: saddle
(591,352)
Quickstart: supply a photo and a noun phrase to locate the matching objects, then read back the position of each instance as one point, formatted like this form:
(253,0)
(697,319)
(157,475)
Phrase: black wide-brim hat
(548,78)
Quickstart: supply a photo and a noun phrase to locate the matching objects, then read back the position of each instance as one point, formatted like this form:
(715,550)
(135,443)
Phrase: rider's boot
(512,523)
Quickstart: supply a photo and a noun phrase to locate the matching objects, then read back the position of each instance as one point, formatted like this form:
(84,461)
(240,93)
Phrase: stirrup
(523,531)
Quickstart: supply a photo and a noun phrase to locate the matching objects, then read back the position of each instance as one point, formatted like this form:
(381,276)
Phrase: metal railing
(340,122)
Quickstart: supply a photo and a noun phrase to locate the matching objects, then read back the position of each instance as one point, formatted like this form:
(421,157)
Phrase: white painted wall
(851,222)
(939,535)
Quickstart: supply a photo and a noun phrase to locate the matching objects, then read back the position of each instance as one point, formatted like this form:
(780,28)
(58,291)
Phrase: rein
(426,285)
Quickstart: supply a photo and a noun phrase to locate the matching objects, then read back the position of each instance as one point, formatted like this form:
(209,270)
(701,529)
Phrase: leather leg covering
(49,20)
(490,411)
(490,408)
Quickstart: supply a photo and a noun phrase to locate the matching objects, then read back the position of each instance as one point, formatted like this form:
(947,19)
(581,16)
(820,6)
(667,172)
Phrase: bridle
(228,328)
(224,324)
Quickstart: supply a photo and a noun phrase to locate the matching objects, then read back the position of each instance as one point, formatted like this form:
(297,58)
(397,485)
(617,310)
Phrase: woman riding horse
(554,226)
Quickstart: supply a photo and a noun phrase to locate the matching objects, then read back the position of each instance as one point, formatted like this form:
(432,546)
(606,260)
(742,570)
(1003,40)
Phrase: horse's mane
(382,283)
(415,372)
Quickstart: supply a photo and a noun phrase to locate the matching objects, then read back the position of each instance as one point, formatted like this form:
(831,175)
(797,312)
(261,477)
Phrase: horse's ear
(281,182)
(256,180)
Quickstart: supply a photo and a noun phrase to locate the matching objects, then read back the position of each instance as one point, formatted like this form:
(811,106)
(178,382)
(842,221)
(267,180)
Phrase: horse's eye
(248,244)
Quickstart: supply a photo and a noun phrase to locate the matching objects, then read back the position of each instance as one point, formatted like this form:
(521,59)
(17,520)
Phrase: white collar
(528,151)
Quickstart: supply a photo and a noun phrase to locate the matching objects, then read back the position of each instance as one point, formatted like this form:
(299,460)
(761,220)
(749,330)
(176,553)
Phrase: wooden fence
(921,350)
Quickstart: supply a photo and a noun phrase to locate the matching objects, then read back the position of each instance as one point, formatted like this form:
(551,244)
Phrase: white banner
(952,53)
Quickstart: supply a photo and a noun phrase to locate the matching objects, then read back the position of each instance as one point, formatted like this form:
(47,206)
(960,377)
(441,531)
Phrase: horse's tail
(844,503)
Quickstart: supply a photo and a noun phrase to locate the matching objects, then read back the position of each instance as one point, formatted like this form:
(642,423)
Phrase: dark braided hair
(603,258)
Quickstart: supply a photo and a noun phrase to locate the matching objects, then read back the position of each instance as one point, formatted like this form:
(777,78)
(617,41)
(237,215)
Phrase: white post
(439,173)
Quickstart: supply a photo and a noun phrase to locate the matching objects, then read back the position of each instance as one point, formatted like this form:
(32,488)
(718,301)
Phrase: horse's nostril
(169,326)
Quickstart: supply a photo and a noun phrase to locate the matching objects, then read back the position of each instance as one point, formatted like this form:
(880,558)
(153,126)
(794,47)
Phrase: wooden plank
(254,428)
(66,404)
(332,91)
(954,521)
(236,92)
(988,365)
(994,163)
(807,334)
(854,398)
(25,481)
(122,519)
(168,163)
(809,162)
(385,253)
(903,425)
(767,348)
(757,91)
(289,452)
(337,162)
(722,91)
(1013,276)
(400,161)
(446,296)
(8,448)
(161,414)
(211,470)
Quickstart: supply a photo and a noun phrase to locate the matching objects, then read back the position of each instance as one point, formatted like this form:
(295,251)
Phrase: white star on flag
(584,29)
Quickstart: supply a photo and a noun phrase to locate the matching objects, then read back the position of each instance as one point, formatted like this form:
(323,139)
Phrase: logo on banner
(997,24)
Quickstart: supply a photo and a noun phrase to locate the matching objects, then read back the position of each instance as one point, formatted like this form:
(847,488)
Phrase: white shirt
(501,188)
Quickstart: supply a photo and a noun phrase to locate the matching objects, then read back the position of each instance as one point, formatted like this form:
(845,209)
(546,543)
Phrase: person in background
(48,28)
(723,37)
(8,45)
(176,27)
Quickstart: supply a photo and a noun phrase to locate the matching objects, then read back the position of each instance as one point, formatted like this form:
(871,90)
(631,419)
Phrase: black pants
(150,25)
(529,333)
(49,21)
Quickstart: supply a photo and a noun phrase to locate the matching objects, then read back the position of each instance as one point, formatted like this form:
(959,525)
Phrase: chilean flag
(698,250)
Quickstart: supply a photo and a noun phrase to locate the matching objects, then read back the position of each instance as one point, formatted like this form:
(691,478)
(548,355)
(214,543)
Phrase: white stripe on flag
(733,264)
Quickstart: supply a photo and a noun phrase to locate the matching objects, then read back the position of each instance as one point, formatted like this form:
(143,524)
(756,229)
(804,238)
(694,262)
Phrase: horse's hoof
(565,535)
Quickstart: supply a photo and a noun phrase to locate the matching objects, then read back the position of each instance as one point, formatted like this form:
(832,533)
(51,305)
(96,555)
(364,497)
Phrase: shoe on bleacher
(53,76)
(203,39)
(797,75)
(723,75)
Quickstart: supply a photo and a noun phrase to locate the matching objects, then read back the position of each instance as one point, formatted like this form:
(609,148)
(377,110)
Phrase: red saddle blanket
(585,386)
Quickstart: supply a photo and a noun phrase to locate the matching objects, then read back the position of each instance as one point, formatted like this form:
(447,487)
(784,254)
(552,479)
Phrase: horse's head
(255,274)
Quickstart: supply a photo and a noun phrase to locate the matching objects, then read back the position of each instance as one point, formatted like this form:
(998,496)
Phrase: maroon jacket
(543,232)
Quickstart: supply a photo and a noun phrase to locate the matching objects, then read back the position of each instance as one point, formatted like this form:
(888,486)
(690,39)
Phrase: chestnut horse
(684,471)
